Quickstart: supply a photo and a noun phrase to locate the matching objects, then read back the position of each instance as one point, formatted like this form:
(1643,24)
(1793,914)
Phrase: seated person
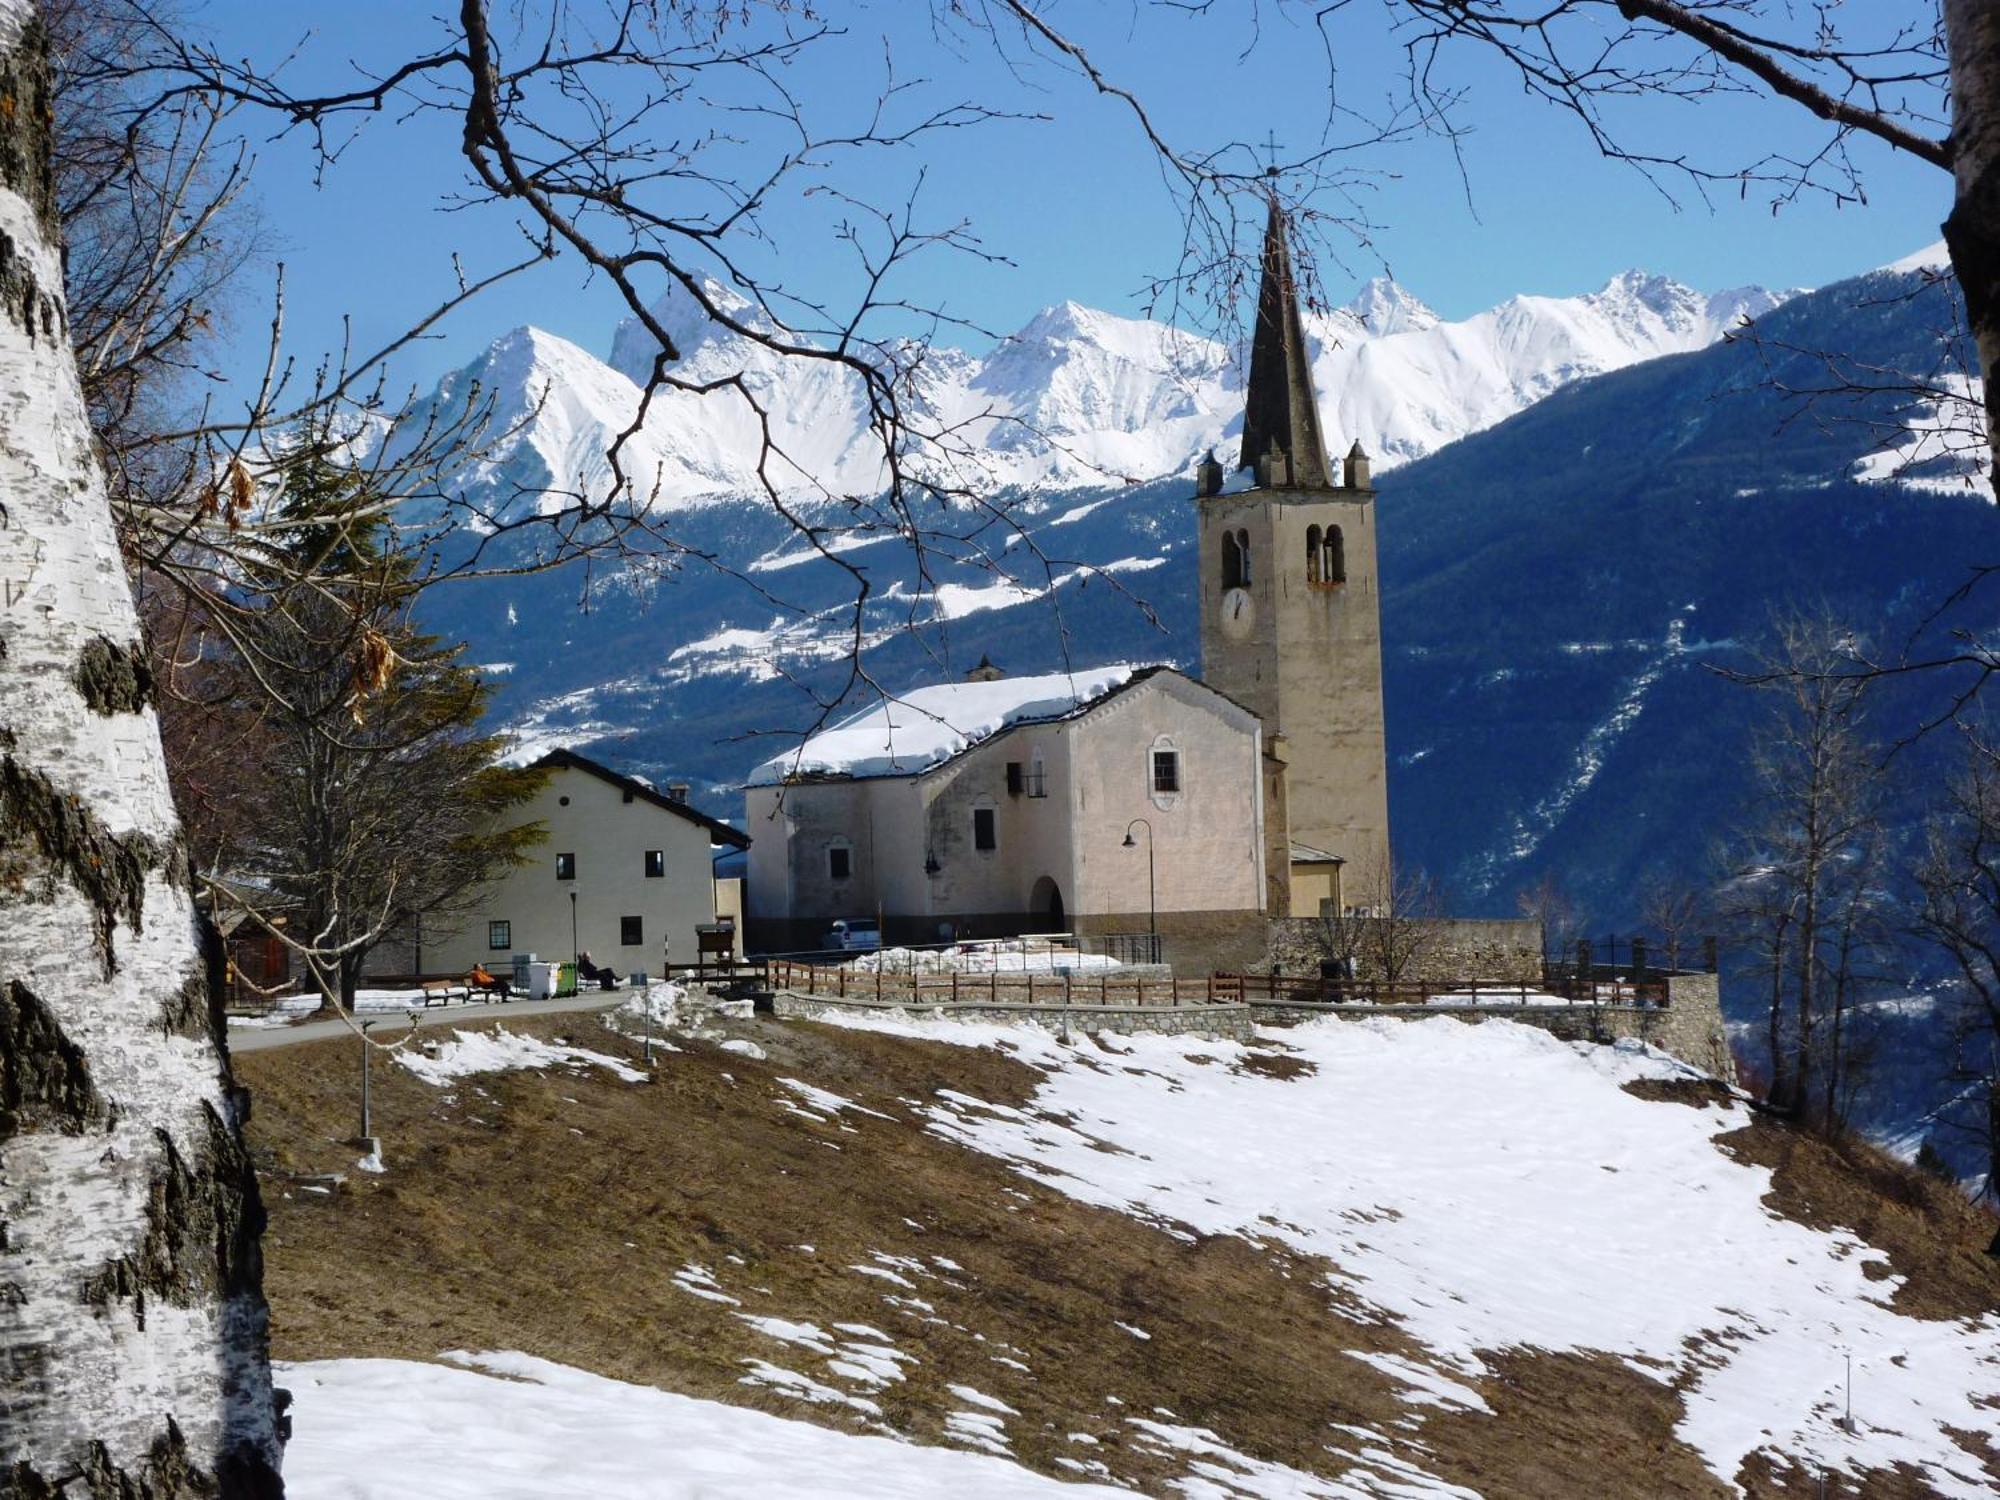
(589,973)
(479,979)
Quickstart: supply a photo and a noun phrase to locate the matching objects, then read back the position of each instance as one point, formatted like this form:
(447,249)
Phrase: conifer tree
(380,799)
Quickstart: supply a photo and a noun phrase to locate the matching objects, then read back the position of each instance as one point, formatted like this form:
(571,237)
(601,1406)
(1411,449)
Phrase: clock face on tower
(1238,613)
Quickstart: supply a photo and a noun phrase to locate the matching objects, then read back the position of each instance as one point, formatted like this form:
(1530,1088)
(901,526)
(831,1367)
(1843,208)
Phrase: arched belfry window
(1313,559)
(1333,562)
(1236,559)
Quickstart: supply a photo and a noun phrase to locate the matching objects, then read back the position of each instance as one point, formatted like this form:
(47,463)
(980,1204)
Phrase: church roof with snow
(925,727)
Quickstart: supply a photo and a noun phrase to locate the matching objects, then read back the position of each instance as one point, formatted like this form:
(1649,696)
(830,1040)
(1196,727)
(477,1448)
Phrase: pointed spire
(1279,408)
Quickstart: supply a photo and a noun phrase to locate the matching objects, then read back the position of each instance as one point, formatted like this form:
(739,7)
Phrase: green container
(565,980)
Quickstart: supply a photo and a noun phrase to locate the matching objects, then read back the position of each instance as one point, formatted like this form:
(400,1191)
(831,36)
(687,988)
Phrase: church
(1129,801)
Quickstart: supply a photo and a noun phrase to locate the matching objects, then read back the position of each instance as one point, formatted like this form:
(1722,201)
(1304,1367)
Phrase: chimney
(677,791)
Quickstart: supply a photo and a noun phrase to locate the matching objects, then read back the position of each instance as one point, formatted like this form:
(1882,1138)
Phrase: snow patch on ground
(498,1051)
(508,1427)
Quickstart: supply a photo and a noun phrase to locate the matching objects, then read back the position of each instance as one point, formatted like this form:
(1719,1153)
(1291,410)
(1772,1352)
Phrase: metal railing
(1127,947)
(1011,987)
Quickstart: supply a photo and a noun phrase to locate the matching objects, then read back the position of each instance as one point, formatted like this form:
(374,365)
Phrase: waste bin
(521,962)
(543,980)
(565,979)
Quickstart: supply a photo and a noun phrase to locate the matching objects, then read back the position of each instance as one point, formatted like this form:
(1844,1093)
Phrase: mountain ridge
(1077,397)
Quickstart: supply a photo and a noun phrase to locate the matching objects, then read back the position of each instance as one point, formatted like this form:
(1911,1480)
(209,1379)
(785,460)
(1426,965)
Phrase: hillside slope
(1420,1259)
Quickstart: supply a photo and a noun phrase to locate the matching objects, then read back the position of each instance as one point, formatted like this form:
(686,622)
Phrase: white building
(1003,805)
(625,866)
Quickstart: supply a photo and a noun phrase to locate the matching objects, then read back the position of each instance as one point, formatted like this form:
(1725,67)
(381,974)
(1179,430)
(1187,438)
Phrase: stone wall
(1231,1021)
(1500,951)
(1195,943)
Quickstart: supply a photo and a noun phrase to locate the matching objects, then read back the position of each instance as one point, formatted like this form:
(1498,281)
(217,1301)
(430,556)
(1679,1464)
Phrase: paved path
(263,1038)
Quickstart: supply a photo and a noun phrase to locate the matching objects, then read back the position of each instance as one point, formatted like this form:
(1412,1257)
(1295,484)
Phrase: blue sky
(1074,202)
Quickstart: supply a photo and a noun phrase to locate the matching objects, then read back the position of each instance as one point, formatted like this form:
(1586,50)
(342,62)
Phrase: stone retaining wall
(1688,1026)
(1231,1021)
(1497,951)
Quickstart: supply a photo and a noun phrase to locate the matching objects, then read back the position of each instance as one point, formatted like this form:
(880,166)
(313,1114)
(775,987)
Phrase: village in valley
(1276,894)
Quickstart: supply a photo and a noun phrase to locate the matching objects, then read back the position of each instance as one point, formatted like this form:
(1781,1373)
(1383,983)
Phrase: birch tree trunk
(1972,233)
(132,1322)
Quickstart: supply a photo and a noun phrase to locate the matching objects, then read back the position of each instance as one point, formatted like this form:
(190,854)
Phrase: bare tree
(1958,878)
(158,224)
(1799,877)
(1549,904)
(1674,909)
(133,1322)
(1387,926)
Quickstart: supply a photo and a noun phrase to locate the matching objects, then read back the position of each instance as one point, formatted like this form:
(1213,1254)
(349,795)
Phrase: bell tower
(1291,620)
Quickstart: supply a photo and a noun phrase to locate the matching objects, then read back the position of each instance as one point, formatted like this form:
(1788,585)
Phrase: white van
(855,935)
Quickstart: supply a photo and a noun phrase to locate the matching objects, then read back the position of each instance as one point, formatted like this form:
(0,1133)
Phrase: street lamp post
(1152,898)
(575,953)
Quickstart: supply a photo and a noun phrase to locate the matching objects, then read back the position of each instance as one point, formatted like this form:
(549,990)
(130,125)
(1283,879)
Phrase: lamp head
(1130,842)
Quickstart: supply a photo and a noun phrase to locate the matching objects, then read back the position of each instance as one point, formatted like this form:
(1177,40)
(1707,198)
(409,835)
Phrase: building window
(1166,771)
(565,867)
(1038,778)
(1313,548)
(656,863)
(1333,557)
(631,931)
(839,862)
(1016,778)
(1236,559)
(499,936)
(985,829)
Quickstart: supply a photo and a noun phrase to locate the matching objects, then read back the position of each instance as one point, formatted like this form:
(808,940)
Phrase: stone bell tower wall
(1307,659)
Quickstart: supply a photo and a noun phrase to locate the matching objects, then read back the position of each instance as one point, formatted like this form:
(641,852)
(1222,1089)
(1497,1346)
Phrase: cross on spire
(1271,149)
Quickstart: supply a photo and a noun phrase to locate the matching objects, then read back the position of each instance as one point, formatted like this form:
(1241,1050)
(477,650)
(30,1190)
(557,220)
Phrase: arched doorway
(1045,904)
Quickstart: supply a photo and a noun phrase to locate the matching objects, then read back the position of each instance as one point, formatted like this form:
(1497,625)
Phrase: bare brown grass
(1935,1238)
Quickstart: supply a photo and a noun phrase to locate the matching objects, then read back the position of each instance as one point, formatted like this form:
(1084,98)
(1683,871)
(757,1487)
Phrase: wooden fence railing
(1002,988)
(1271,989)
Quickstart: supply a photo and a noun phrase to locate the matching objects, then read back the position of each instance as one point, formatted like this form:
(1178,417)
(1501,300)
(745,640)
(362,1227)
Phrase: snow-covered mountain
(1076,398)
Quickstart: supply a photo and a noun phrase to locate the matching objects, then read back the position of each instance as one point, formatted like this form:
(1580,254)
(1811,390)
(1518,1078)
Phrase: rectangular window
(1014,778)
(499,936)
(656,863)
(839,862)
(566,867)
(1166,770)
(631,931)
(985,829)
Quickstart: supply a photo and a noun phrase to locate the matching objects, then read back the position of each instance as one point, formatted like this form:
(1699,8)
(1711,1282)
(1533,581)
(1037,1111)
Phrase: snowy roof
(926,727)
